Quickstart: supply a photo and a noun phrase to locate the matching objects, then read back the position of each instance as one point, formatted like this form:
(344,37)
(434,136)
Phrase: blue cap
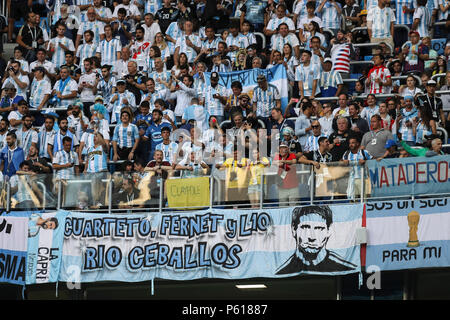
(408,97)
(390,143)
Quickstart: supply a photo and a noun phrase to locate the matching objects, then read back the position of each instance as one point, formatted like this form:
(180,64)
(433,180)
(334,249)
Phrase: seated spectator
(375,140)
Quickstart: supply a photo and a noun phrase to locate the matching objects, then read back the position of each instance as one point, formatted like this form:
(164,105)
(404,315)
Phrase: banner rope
(360,282)
(23,292)
(56,293)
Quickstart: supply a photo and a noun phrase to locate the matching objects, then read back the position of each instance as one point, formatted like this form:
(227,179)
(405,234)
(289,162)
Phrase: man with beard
(27,137)
(11,156)
(311,230)
(4,125)
(140,48)
(57,143)
(46,134)
(39,165)
(339,139)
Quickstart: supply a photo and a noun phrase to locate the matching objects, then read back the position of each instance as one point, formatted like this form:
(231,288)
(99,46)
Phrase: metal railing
(372,44)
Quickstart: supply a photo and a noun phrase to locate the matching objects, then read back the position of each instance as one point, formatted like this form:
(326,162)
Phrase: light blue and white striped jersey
(315,59)
(403,17)
(39,88)
(275,22)
(278,41)
(117,105)
(367,113)
(108,50)
(3,140)
(300,9)
(83,14)
(19,90)
(265,100)
(97,27)
(200,86)
(66,87)
(57,141)
(307,75)
(354,158)
(174,32)
(88,139)
(197,113)
(381,21)
(432,5)
(424,17)
(240,41)
(20,181)
(421,132)
(62,157)
(84,51)
(125,136)
(169,151)
(220,68)
(371,3)
(330,16)
(407,132)
(251,38)
(25,139)
(442,16)
(330,79)
(164,76)
(105,88)
(312,142)
(189,51)
(152,6)
(214,106)
(96,159)
(104,12)
(206,44)
(59,56)
(44,138)
(152,97)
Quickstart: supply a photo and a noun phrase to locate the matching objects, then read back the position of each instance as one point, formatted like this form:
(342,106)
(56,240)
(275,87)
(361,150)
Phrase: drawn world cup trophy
(413,223)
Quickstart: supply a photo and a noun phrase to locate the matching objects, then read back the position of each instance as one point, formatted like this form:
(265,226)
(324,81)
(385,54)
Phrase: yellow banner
(191,192)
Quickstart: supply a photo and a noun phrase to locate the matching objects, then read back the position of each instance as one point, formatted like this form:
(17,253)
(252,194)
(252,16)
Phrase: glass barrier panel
(288,185)
(85,191)
(33,191)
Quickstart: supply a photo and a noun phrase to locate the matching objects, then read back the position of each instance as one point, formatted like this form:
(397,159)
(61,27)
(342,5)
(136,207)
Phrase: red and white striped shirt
(382,73)
(340,54)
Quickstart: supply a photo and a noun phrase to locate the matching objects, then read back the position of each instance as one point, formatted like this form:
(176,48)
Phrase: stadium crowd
(134,86)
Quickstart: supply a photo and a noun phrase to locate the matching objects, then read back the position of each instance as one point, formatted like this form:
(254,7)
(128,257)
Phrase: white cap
(328,60)
(431,83)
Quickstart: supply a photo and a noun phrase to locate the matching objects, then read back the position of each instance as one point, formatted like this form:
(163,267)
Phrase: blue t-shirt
(154,133)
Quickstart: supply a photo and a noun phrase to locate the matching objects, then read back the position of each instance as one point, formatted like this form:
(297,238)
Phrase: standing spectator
(140,48)
(87,49)
(11,156)
(405,121)
(330,82)
(15,117)
(312,143)
(265,97)
(166,15)
(87,83)
(74,70)
(288,188)
(109,49)
(331,14)
(303,124)
(351,11)
(65,163)
(414,54)
(96,26)
(253,11)
(280,17)
(120,99)
(189,43)
(9,100)
(339,139)
(341,51)
(30,37)
(125,139)
(65,89)
(422,19)
(183,91)
(423,126)
(432,103)
(308,76)
(278,40)
(57,143)
(46,134)
(357,123)
(26,136)
(154,130)
(122,28)
(380,23)
(374,140)
(215,98)
(355,157)
(320,155)
(404,10)
(379,78)
(17,79)
(167,146)
(58,46)
(371,109)
(133,14)
(151,27)
(49,67)
(326,120)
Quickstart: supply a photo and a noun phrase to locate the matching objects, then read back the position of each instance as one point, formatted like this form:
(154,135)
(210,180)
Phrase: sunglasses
(315,127)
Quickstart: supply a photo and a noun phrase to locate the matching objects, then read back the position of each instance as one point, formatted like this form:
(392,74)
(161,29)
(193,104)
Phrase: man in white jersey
(96,26)
(120,67)
(49,67)
(140,48)
(109,48)
(26,136)
(20,82)
(87,49)
(189,43)
(40,89)
(380,23)
(308,76)
(151,28)
(273,24)
(65,163)
(65,89)
(59,45)
(86,85)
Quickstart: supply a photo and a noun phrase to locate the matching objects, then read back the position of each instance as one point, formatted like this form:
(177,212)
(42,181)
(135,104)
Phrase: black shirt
(165,17)
(339,148)
(138,78)
(30,34)
(432,104)
(319,157)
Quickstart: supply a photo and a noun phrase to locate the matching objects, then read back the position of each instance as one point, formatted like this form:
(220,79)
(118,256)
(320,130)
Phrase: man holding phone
(86,86)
